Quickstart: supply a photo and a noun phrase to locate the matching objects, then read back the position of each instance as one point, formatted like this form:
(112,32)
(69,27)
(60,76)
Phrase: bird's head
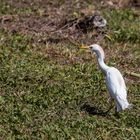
(97,49)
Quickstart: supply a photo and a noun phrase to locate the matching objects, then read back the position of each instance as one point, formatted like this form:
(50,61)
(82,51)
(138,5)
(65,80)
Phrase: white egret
(114,80)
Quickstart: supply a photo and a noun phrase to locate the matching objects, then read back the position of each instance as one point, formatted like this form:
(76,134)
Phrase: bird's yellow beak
(84,47)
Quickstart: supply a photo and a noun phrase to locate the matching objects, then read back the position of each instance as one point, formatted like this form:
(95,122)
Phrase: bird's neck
(102,65)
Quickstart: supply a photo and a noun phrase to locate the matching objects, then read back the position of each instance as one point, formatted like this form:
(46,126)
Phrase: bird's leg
(117,113)
(110,100)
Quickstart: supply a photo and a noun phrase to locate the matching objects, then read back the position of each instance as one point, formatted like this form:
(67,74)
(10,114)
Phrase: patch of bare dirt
(53,21)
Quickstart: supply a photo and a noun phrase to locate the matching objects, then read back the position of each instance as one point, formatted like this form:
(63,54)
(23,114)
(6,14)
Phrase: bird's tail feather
(130,106)
(121,105)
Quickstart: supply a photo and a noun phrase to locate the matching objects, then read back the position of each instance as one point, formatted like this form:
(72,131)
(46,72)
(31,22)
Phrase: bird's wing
(115,84)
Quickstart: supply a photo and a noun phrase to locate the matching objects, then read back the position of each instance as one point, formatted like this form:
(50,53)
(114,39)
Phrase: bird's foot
(117,114)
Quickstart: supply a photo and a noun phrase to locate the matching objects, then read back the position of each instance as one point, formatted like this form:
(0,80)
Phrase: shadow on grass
(93,110)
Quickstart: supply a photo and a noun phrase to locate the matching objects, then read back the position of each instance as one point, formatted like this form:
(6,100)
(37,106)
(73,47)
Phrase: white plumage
(117,88)
(114,80)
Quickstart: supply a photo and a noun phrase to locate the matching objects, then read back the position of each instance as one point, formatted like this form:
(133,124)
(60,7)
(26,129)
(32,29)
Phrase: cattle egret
(114,80)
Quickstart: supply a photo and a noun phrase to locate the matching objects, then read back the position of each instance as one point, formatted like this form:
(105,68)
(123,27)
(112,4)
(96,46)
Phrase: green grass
(123,25)
(45,88)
